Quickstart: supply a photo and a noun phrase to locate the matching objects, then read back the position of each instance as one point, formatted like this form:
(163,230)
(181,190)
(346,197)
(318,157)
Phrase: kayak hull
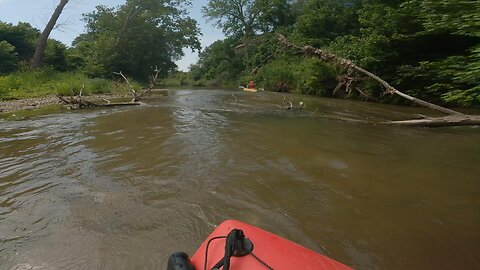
(279,253)
(250,89)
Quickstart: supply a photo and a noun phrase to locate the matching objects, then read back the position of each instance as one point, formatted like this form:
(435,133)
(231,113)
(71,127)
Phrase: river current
(123,188)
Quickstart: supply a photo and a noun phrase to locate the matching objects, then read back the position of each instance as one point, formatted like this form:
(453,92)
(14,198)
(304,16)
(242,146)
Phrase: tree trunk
(37,60)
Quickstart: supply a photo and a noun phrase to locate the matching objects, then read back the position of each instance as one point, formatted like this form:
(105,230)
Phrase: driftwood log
(453,118)
(78,102)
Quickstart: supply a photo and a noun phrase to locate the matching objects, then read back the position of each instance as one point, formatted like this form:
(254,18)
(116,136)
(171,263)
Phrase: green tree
(56,55)
(234,17)
(451,73)
(246,18)
(275,14)
(321,21)
(21,36)
(220,63)
(8,57)
(136,37)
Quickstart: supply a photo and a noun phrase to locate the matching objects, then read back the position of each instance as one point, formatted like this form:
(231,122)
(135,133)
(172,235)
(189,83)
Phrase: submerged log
(450,120)
(78,102)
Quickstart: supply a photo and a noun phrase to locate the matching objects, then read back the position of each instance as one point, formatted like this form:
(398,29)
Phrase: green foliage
(37,83)
(8,57)
(177,79)
(233,17)
(324,20)
(21,36)
(55,55)
(136,37)
(306,76)
(454,80)
(428,48)
(21,40)
(245,18)
(278,75)
(449,70)
(219,64)
(369,51)
(455,16)
(275,14)
(315,77)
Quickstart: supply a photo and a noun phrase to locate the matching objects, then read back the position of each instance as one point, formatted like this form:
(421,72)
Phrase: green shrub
(315,77)
(278,76)
(464,98)
(99,86)
(8,57)
(308,76)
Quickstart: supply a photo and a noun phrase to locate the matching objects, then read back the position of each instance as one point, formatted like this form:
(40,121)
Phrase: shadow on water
(124,188)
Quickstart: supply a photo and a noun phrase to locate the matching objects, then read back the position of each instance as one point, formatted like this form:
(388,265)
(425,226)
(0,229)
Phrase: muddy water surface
(124,188)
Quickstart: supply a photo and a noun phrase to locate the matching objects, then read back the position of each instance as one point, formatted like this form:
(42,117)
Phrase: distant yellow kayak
(250,89)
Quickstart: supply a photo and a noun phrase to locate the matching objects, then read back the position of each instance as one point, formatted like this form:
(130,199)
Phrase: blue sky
(38,12)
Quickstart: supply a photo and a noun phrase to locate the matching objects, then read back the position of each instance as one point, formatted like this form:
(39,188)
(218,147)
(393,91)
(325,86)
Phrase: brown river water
(123,188)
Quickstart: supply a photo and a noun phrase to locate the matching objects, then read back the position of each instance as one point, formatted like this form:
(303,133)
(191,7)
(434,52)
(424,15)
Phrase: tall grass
(44,82)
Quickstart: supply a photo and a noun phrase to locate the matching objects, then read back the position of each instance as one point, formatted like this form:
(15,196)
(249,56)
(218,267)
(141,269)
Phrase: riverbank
(38,102)
(41,86)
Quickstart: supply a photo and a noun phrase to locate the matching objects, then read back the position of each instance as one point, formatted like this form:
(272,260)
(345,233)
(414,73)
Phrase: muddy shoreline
(35,103)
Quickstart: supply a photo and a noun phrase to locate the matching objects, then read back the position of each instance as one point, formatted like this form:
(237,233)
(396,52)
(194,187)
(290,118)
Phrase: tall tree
(136,37)
(21,36)
(37,60)
(235,17)
(249,17)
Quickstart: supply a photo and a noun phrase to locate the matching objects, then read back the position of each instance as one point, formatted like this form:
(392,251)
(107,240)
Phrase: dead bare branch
(154,77)
(236,99)
(81,90)
(134,93)
(314,111)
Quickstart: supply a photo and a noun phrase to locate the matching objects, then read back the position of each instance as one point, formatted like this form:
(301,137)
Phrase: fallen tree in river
(453,118)
(78,101)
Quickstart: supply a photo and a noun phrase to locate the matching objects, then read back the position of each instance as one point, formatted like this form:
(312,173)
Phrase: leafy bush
(308,76)
(98,86)
(8,57)
(315,77)
(278,75)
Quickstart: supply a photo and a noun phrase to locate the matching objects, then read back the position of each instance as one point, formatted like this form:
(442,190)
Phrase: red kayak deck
(279,253)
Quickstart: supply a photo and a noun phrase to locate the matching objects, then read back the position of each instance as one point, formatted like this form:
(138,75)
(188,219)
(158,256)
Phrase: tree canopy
(137,37)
